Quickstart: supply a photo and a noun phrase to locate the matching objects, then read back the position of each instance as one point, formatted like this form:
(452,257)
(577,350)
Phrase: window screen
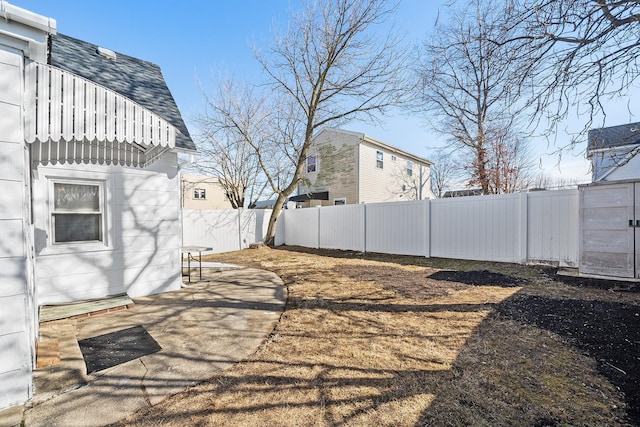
(77,213)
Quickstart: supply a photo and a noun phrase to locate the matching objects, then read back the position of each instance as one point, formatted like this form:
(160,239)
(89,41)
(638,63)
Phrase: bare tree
(508,163)
(585,51)
(328,67)
(471,84)
(412,180)
(443,171)
(233,118)
(548,182)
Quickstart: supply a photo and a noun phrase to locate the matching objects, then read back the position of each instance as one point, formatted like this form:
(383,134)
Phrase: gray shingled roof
(614,136)
(138,80)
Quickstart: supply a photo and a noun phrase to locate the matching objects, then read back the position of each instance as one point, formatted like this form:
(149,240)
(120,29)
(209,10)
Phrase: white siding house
(89,181)
(23,37)
(345,167)
(613,152)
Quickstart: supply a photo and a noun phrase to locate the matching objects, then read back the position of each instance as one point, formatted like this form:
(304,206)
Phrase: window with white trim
(393,158)
(199,193)
(379,159)
(312,164)
(77,212)
(339,202)
(409,168)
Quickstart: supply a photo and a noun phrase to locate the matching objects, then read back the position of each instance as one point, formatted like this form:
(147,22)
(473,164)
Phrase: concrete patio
(202,329)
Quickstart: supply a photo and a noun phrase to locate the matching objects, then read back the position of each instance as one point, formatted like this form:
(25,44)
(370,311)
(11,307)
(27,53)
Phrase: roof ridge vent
(106,53)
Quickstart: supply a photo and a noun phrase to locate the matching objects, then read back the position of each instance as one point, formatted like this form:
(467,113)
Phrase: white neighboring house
(89,200)
(613,152)
(345,167)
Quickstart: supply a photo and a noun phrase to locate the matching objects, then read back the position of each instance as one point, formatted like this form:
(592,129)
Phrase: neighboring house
(613,152)
(202,192)
(345,167)
(89,200)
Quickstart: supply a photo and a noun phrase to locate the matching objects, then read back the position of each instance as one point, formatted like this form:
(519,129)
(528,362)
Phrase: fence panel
(301,227)
(218,229)
(253,226)
(552,227)
(533,227)
(397,228)
(478,228)
(224,230)
(342,227)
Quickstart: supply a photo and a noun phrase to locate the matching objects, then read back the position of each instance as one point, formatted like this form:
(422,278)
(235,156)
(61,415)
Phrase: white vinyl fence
(225,230)
(524,227)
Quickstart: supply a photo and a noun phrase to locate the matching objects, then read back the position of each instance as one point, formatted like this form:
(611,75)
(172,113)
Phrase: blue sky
(191,39)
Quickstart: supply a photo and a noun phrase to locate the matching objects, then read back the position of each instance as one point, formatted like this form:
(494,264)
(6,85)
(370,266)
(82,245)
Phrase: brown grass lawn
(405,341)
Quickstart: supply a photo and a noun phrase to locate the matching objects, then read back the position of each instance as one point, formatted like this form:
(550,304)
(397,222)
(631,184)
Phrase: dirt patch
(374,339)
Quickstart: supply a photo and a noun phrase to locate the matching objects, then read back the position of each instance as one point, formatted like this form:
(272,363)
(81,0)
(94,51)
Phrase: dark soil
(608,332)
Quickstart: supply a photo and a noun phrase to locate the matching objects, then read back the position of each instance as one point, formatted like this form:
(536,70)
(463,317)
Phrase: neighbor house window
(341,201)
(199,193)
(379,159)
(312,164)
(77,214)
(393,158)
(409,168)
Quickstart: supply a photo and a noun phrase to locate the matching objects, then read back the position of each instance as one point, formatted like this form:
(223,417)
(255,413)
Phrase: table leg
(189,265)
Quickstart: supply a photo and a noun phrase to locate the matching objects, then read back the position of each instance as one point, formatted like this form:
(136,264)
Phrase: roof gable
(614,136)
(360,138)
(141,81)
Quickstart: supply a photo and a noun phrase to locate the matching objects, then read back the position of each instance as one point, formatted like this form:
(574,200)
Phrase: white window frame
(409,168)
(105,183)
(199,194)
(393,158)
(343,200)
(315,163)
(379,159)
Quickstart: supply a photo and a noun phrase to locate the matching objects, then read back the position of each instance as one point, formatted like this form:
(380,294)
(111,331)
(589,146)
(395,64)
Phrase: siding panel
(12,276)
(16,326)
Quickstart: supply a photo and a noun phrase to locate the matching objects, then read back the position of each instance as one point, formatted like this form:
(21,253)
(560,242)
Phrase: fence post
(524,227)
(427,228)
(364,228)
(239,228)
(318,233)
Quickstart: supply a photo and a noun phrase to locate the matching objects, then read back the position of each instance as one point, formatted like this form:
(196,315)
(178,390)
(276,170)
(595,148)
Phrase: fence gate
(609,229)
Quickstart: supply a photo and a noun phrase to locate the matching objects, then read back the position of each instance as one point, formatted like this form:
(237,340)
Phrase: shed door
(636,229)
(606,239)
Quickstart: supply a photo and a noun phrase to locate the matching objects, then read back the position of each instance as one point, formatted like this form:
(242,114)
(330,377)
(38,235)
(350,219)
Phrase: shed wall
(142,252)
